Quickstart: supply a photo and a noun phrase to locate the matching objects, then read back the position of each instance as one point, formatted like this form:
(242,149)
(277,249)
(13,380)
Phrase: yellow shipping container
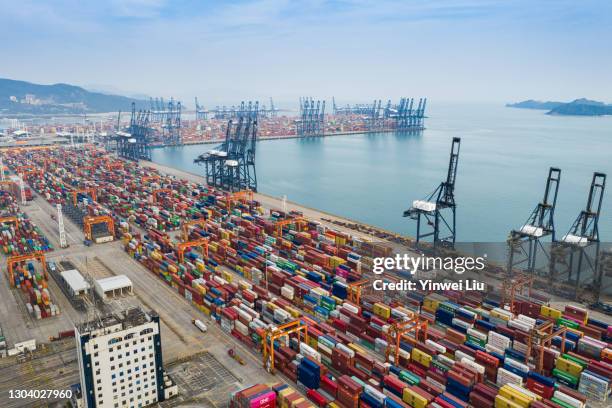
(421,357)
(513,395)
(499,315)
(413,399)
(204,309)
(357,349)
(550,312)
(568,366)
(228,276)
(502,402)
(382,310)
(431,304)
(313,342)
(292,311)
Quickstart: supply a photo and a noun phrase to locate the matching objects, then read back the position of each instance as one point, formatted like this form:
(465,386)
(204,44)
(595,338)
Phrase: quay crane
(432,209)
(525,243)
(576,255)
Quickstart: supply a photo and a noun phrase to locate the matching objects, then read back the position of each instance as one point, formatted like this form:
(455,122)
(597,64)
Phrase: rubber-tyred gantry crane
(413,325)
(75,193)
(186,224)
(433,208)
(242,195)
(90,221)
(540,338)
(6,220)
(183,246)
(354,290)
(298,221)
(284,330)
(513,286)
(525,243)
(160,191)
(13,260)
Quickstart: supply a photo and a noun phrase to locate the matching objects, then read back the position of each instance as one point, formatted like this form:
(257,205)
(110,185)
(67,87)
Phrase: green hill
(21,97)
(578,107)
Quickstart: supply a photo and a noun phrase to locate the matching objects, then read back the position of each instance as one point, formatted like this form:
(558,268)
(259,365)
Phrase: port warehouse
(217,250)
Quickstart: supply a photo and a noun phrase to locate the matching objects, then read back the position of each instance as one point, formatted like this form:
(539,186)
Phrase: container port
(292,291)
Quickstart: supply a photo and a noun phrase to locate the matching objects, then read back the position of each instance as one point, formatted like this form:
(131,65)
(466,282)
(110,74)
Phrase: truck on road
(200,325)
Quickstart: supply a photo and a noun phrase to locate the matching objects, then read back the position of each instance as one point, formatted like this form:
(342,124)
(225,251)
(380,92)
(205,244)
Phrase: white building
(120,361)
(113,286)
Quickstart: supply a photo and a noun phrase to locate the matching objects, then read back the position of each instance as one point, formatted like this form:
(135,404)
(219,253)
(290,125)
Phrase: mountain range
(577,107)
(21,97)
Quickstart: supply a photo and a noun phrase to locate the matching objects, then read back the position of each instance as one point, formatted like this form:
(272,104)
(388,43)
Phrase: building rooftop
(128,318)
(75,280)
(114,282)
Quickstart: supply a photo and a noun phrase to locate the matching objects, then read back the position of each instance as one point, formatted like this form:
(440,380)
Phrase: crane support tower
(201,113)
(231,166)
(245,109)
(135,143)
(405,116)
(525,243)
(61,228)
(434,208)
(574,258)
(171,127)
(311,122)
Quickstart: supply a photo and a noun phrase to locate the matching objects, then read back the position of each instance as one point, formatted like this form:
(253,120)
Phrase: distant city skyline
(357,51)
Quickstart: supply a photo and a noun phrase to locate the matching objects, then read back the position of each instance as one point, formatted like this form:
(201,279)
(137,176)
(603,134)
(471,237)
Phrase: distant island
(26,98)
(578,107)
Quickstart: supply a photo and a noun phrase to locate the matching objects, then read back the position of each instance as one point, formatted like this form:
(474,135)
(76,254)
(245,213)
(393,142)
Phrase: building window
(112,359)
(97,363)
(96,354)
(95,346)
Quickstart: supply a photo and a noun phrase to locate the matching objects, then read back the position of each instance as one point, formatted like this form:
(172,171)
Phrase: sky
(226,51)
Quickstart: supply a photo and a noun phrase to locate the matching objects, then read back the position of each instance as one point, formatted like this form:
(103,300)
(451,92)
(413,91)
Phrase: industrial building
(120,361)
(113,286)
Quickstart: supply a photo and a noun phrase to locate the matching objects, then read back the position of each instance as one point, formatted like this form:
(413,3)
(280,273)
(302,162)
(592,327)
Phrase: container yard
(293,292)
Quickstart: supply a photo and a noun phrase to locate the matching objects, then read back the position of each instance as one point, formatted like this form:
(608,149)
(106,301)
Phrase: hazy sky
(225,51)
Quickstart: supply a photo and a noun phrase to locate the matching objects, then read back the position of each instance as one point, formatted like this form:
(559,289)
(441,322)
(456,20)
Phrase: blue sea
(504,160)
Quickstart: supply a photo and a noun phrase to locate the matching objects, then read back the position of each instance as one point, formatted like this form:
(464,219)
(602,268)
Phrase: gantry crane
(91,191)
(12,260)
(243,195)
(181,247)
(282,331)
(431,209)
(159,191)
(278,225)
(413,325)
(513,286)
(89,221)
(152,177)
(540,338)
(577,253)
(6,220)
(354,291)
(186,224)
(525,243)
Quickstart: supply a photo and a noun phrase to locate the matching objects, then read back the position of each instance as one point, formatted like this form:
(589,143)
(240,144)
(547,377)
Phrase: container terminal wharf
(292,292)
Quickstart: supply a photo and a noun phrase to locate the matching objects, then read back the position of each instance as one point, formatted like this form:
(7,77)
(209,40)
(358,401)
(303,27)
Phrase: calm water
(504,161)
